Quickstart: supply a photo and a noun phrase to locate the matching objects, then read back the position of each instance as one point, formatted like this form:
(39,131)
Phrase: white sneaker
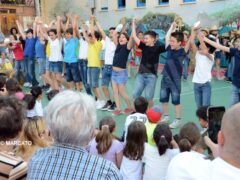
(26,84)
(48,91)
(176,124)
(165,119)
(100,104)
(29,85)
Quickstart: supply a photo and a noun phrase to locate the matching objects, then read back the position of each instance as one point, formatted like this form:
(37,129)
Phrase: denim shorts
(106,75)
(41,65)
(138,60)
(47,64)
(120,77)
(170,87)
(145,82)
(93,76)
(56,67)
(72,72)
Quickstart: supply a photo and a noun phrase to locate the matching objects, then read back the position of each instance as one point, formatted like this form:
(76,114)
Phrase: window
(187,1)
(104,5)
(141,3)
(121,4)
(163,2)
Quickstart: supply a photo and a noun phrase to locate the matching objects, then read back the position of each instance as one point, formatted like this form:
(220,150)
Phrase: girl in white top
(202,75)
(157,158)
(131,167)
(37,94)
(55,58)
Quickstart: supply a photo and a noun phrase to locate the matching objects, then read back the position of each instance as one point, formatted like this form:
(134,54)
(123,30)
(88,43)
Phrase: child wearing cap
(154,116)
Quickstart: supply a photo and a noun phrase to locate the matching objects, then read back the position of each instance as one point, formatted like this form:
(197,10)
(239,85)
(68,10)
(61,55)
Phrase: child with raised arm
(120,73)
(110,48)
(94,63)
(55,57)
(147,74)
(235,96)
(29,54)
(202,74)
(70,57)
(172,72)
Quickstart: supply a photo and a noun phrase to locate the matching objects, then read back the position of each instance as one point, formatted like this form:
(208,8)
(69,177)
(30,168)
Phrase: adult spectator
(11,121)
(71,119)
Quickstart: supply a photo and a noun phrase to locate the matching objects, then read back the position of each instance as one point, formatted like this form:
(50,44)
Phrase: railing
(18,2)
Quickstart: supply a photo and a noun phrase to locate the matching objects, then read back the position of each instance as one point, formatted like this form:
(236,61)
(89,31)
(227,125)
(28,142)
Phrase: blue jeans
(202,94)
(82,65)
(120,77)
(145,81)
(185,67)
(230,68)
(56,67)
(170,87)
(235,95)
(72,72)
(29,71)
(19,66)
(93,76)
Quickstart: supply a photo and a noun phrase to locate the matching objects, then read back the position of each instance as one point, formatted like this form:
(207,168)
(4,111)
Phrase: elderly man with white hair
(71,119)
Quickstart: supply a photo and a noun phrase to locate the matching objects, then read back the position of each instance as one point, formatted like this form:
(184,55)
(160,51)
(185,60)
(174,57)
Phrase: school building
(109,12)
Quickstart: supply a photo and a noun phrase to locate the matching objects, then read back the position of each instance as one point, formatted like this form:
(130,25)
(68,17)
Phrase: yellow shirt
(150,129)
(94,51)
(48,50)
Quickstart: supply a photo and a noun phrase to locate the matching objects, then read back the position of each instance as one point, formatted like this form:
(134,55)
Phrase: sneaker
(48,91)
(26,84)
(30,85)
(165,119)
(176,124)
(128,111)
(117,113)
(106,106)
(100,104)
(112,107)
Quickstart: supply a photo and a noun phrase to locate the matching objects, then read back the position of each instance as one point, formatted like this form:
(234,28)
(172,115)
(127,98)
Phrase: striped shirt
(69,162)
(12,167)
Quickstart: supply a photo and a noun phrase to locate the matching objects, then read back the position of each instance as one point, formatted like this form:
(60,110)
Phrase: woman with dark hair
(157,159)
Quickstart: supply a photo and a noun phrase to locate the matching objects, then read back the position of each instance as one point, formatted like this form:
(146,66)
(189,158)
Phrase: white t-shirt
(203,69)
(132,118)
(55,50)
(221,170)
(83,50)
(110,48)
(155,165)
(38,108)
(130,169)
(188,166)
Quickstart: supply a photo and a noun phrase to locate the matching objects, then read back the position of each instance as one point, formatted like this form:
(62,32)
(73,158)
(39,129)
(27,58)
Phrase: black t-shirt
(121,56)
(173,66)
(150,58)
(236,72)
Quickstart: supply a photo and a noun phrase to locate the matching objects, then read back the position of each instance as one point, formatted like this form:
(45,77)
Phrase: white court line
(192,92)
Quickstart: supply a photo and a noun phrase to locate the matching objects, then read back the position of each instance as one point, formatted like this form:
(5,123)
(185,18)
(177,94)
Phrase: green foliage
(228,15)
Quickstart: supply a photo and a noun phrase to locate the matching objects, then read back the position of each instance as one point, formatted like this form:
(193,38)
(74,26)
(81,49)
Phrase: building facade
(109,12)
(10,11)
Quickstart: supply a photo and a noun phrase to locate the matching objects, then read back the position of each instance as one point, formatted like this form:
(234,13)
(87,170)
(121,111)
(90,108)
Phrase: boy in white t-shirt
(141,106)
(202,74)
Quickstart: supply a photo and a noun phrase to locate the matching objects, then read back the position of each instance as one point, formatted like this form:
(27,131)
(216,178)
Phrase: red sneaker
(128,111)
(117,113)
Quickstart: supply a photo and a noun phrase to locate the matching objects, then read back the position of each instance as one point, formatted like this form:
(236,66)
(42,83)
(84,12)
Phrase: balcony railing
(18,2)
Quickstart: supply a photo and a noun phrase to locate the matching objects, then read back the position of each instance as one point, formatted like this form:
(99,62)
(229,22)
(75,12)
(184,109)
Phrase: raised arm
(92,20)
(204,49)
(192,41)
(20,29)
(85,35)
(168,35)
(130,43)
(59,27)
(134,34)
(43,32)
(101,30)
(216,45)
